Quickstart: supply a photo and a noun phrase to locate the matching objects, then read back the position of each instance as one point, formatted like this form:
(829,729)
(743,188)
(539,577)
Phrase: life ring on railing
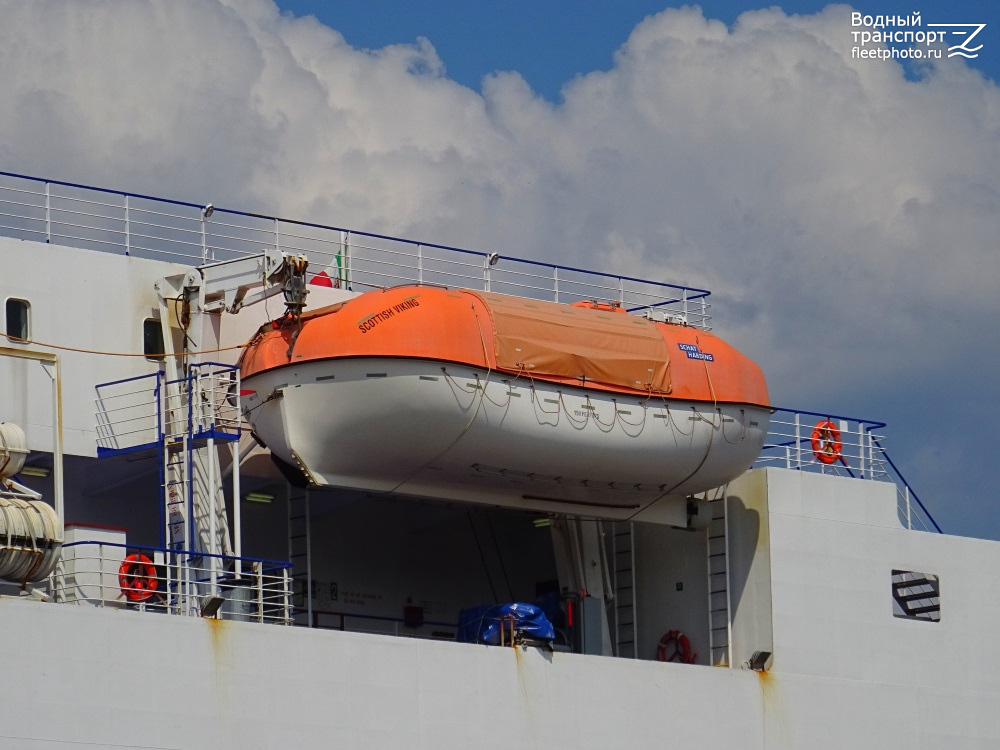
(826,442)
(137,577)
(679,645)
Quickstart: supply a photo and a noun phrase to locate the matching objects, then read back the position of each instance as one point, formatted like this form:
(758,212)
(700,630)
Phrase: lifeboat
(483,397)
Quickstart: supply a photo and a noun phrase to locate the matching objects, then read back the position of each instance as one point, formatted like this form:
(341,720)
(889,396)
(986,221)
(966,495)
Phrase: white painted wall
(97,301)
(844,667)
(668,558)
(749,564)
(82,299)
(112,679)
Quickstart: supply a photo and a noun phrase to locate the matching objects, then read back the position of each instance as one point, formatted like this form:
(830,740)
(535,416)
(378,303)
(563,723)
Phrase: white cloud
(845,216)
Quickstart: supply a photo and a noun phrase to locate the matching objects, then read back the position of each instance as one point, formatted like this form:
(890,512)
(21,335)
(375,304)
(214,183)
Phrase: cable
(593,410)
(496,544)
(622,419)
(743,428)
(118,354)
(482,556)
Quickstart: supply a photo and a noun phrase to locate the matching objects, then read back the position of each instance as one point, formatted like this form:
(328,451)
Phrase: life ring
(826,442)
(137,578)
(679,645)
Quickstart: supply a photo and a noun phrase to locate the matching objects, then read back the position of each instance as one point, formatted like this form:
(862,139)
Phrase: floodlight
(758,661)
(210,605)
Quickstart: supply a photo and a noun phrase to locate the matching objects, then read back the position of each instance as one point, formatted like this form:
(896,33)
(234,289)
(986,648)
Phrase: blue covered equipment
(482,624)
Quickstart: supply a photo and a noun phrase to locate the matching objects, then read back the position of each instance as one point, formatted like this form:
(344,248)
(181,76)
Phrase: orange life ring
(137,577)
(826,442)
(681,651)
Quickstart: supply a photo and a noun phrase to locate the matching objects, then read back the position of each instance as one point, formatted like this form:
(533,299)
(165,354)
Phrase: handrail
(174,581)
(381,618)
(192,554)
(394,622)
(377,261)
(911,493)
(792,443)
(130,420)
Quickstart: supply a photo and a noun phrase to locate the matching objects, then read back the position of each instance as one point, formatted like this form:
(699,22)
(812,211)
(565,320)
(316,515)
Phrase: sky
(550,43)
(844,211)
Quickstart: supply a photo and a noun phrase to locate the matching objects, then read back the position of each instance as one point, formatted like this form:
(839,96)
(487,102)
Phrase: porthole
(17,320)
(152,339)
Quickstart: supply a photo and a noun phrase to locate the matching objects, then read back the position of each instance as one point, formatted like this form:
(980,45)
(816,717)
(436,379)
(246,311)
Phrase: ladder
(175,487)
(192,413)
(623,566)
(300,555)
(718,586)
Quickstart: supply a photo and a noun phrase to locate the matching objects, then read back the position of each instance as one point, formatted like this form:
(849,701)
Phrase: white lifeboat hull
(417,427)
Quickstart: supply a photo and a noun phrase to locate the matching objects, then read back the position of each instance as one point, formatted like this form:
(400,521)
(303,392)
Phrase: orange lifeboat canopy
(586,344)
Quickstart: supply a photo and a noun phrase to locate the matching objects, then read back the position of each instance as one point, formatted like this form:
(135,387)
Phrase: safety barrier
(843,446)
(155,579)
(381,625)
(137,413)
(149,227)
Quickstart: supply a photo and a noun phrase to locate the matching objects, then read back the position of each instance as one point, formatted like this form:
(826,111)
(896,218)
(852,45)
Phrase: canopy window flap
(544,338)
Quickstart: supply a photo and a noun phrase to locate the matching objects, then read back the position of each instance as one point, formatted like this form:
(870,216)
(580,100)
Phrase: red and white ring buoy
(137,577)
(826,443)
(675,646)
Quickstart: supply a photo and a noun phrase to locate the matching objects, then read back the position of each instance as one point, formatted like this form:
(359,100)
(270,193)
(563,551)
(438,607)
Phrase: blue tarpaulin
(482,624)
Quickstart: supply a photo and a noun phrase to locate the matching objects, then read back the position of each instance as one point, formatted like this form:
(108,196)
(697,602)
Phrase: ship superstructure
(209,595)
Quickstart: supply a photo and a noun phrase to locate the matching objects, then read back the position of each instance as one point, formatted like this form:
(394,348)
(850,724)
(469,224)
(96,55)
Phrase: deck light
(258,497)
(207,211)
(493,258)
(210,605)
(35,471)
(758,661)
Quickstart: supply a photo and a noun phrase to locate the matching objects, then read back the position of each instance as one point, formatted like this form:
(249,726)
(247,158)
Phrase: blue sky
(552,41)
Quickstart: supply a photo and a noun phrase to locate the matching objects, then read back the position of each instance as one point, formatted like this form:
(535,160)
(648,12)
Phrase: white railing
(153,579)
(149,227)
(216,409)
(805,441)
(842,446)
